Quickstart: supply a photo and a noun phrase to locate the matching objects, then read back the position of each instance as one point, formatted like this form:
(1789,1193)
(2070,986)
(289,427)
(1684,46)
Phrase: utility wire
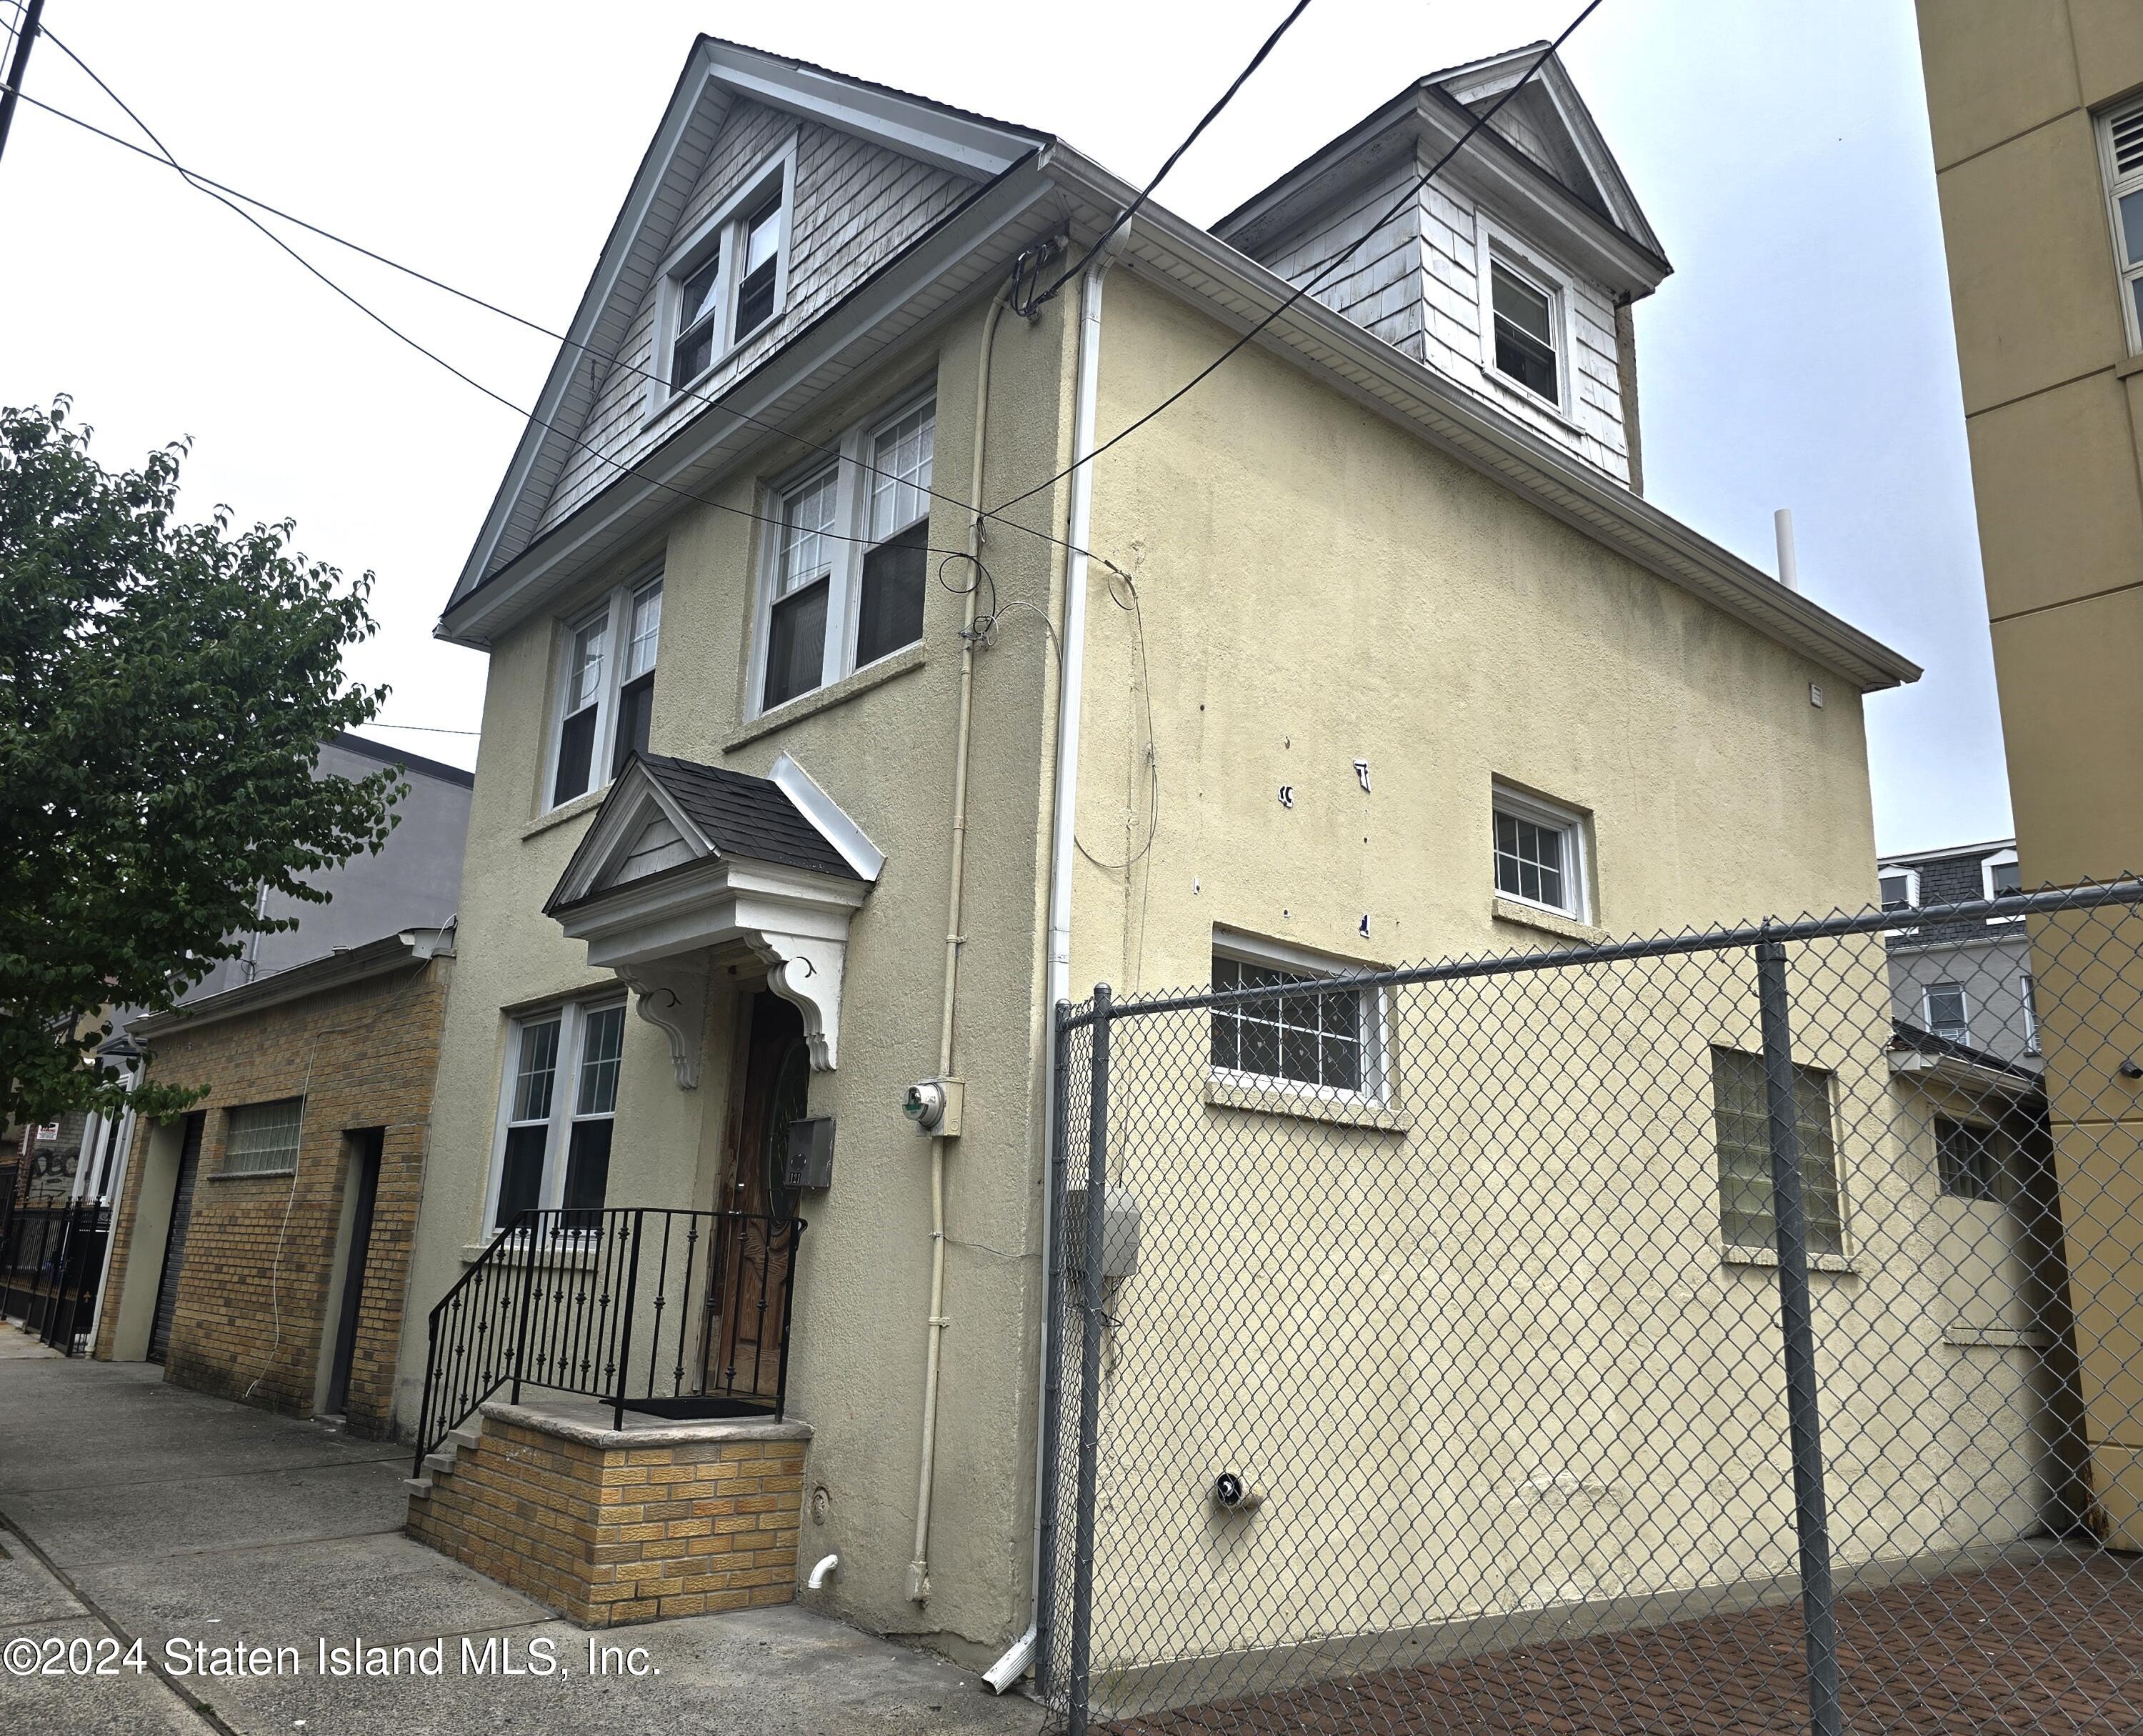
(1311,282)
(1175,157)
(225,194)
(432,355)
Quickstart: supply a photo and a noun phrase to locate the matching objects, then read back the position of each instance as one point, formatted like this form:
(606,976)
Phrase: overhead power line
(1175,155)
(1311,282)
(225,195)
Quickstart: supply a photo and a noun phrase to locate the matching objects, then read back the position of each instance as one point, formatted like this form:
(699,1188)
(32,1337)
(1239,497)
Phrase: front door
(752,1282)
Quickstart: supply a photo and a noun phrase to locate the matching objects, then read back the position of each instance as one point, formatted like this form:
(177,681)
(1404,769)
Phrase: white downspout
(1079,520)
(919,1566)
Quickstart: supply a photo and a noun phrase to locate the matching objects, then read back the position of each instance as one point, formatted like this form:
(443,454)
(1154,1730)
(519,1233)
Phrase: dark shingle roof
(1906,1035)
(749,816)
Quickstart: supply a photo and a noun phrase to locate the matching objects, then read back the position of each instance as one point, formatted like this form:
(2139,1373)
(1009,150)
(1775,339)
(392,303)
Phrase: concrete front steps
(609,1525)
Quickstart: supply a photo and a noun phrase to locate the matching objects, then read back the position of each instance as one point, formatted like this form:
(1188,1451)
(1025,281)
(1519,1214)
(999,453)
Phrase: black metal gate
(1675,1336)
(51,1261)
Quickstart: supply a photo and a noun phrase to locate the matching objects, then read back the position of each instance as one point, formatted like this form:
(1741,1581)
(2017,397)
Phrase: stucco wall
(881,746)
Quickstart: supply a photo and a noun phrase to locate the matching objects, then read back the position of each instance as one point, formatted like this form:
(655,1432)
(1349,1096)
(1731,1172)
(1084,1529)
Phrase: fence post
(527,1295)
(1052,1361)
(1090,1369)
(1804,1416)
(625,1322)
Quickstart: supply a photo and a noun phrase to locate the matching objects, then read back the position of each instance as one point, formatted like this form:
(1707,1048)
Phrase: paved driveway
(130,1511)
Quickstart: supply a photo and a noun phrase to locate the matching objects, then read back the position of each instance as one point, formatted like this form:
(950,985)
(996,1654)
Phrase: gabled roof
(663,814)
(1565,171)
(1934,1053)
(717,75)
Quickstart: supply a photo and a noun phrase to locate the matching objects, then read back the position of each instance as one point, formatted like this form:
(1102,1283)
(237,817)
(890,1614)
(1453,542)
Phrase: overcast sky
(1800,355)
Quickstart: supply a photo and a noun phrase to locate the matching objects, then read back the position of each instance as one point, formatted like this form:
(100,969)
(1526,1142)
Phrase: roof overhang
(661,933)
(1960,1074)
(317,975)
(971,249)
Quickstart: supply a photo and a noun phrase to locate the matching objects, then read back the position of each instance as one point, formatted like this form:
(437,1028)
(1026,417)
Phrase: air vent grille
(2127,131)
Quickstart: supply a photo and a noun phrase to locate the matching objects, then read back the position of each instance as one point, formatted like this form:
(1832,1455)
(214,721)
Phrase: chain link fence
(1731,1331)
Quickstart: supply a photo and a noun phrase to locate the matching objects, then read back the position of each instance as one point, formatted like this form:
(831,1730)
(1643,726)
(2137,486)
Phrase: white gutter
(1078,526)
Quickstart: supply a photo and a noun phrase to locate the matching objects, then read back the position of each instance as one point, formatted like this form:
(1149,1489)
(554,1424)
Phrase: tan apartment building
(805,791)
(2036,113)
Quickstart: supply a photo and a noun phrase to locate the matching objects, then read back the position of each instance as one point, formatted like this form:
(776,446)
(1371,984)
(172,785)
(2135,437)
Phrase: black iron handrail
(668,1312)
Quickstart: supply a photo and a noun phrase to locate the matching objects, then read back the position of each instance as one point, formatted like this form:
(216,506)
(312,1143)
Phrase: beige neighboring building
(2036,112)
(1381,590)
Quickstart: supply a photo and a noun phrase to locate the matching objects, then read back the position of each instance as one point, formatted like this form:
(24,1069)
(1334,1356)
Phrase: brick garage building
(262,1241)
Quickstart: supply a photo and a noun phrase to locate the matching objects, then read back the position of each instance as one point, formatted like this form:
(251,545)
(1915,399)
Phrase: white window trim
(721,231)
(1577,872)
(1492,243)
(1885,871)
(844,584)
(572,1017)
(2116,184)
(1376,1092)
(2000,858)
(1964,1003)
(615,608)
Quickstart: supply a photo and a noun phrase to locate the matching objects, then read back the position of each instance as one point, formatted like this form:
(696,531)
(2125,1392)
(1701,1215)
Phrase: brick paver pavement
(2054,1648)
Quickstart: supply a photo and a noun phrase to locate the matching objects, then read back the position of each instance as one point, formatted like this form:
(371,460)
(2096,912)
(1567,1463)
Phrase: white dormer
(1512,271)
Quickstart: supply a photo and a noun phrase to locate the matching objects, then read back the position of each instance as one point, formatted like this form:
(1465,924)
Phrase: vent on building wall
(2127,131)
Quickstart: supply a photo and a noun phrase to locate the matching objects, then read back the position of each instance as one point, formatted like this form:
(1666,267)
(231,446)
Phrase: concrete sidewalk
(133,1511)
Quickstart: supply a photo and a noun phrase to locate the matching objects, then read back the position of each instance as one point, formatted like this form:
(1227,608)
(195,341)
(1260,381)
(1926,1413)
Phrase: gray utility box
(1120,1232)
(810,1154)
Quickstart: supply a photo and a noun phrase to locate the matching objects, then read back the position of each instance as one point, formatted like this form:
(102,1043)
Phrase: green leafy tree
(165,688)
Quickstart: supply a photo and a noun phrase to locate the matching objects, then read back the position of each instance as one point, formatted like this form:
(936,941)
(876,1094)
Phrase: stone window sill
(587,803)
(1842,1263)
(1529,916)
(251,1175)
(1278,1101)
(824,698)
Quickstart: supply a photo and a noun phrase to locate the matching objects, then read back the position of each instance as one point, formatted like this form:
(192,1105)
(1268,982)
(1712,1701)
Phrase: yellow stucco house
(802,784)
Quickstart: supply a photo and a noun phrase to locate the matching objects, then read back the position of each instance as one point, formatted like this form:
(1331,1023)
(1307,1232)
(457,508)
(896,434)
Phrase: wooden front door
(753,1280)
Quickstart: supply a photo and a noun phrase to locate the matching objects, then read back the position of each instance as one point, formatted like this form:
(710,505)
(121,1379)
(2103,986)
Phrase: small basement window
(1326,1041)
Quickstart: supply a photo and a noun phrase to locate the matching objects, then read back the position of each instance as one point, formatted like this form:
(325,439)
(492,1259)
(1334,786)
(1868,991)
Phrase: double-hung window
(1742,1123)
(732,277)
(1325,1043)
(1969,1160)
(262,1139)
(557,1110)
(2003,876)
(849,558)
(2120,153)
(1524,320)
(1539,854)
(1949,1012)
(605,688)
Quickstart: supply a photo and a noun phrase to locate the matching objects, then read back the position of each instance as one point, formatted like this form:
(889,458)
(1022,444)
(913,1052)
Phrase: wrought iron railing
(52,1260)
(668,1312)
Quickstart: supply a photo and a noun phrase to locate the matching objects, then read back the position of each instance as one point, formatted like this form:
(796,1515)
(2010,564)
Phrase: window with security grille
(1949,1013)
(262,1139)
(1317,1040)
(1742,1122)
(1968,1159)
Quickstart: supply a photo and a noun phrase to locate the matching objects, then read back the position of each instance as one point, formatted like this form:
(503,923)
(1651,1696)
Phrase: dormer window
(731,278)
(1525,330)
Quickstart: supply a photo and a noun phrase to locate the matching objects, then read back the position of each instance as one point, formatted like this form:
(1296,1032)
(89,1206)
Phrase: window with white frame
(605,688)
(1539,853)
(2003,877)
(1742,1125)
(2121,152)
(557,1110)
(731,279)
(1329,1041)
(262,1139)
(1899,888)
(849,561)
(1949,1012)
